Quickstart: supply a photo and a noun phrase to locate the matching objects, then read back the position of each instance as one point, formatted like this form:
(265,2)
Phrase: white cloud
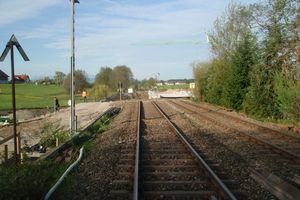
(57,29)
(17,10)
(112,2)
(105,30)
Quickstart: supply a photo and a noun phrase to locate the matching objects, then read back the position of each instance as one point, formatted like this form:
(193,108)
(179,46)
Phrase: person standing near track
(84,93)
(56,104)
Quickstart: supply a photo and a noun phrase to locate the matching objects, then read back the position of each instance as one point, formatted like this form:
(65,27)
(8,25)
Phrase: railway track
(162,163)
(279,142)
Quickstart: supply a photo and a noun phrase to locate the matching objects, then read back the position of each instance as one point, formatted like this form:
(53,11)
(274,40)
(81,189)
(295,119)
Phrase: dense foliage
(81,81)
(111,77)
(102,78)
(254,65)
(98,92)
(59,78)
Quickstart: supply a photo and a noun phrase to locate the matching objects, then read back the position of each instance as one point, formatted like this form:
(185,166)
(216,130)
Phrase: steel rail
(269,129)
(222,188)
(137,154)
(263,143)
(134,175)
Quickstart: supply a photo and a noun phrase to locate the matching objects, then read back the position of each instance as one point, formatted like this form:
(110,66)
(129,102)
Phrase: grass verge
(256,117)
(32,180)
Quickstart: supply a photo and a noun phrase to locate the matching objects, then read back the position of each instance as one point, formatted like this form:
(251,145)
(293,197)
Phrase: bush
(288,96)
(99,92)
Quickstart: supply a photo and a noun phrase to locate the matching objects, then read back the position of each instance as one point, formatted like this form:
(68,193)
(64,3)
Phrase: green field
(173,87)
(30,96)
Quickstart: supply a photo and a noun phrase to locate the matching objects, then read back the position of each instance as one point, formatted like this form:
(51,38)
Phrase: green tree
(151,83)
(40,81)
(215,80)
(287,81)
(237,78)
(81,81)
(228,30)
(121,74)
(200,73)
(59,78)
(278,20)
(144,83)
(46,80)
(99,92)
(135,85)
(288,91)
(102,78)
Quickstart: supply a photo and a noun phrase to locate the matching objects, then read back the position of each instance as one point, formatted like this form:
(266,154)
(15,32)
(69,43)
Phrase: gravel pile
(128,96)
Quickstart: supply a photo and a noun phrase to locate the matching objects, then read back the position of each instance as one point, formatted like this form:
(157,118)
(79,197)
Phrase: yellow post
(18,143)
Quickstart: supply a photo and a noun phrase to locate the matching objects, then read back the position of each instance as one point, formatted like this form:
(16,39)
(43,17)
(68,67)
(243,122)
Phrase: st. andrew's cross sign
(9,46)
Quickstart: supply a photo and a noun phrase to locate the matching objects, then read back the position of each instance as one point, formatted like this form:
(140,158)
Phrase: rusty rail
(220,189)
(135,164)
(137,155)
(261,142)
(244,121)
(224,191)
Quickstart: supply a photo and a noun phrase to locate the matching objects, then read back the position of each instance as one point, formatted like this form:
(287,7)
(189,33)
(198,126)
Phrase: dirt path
(33,130)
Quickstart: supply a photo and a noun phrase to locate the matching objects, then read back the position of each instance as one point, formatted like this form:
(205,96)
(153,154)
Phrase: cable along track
(285,141)
(163,164)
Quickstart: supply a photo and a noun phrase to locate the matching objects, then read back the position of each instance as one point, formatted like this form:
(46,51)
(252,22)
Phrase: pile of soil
(25,114)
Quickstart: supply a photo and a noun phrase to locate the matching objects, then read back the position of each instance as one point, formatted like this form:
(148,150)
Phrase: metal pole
(72,130)
(14,100)
(120,89)
(157,81)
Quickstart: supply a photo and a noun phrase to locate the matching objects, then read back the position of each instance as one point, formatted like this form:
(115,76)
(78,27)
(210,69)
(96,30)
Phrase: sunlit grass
(173,87)
(30,96)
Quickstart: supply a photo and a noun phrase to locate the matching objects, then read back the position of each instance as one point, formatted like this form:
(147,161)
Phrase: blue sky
(104,32)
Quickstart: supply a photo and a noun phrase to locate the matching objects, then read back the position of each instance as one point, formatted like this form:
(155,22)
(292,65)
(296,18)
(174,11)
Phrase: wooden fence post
(57,142)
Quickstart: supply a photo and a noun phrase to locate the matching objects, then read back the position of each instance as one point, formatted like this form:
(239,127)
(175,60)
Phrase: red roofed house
(22,79)
(3,77)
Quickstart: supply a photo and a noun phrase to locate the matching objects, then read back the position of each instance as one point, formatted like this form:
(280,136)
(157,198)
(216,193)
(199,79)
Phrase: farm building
(159,83)
(169,83)
(3,77)
(22,79)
